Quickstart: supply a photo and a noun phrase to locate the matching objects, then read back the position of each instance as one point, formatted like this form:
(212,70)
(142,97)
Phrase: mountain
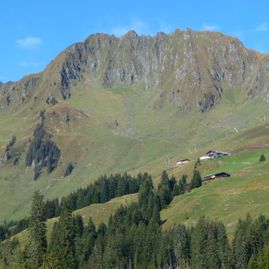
(176,66)
(129,104)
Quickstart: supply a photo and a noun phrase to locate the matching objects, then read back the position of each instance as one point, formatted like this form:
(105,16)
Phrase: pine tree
(145,189)
(37,245)
(69,169)
(164,176)
(198,245)
(196,181)
(241,243)
(7,249)
(96,260)
(262,158)
(86,244)
(181,245)
(51,261)
(62,244)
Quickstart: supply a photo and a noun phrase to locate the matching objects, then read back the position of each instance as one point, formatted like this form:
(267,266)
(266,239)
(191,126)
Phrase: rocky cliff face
(189,69)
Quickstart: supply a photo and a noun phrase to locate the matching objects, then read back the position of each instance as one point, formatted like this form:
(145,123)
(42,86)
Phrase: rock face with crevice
(186,68)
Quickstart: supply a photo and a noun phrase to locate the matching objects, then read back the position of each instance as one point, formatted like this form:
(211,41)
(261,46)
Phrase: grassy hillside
(121,130)
(226,200)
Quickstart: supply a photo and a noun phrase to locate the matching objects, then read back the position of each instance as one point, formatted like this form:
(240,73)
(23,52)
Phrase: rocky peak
(131,35)
(187,67)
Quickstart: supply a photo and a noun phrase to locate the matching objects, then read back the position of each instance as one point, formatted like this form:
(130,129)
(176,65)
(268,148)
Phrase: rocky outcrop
(186,68)
(18,93)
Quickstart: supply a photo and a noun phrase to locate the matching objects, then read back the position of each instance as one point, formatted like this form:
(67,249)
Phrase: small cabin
(182,162)
(215,176)
(202,158)
(216,153)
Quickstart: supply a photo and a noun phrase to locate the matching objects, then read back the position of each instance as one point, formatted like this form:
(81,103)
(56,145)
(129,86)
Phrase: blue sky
(33,32)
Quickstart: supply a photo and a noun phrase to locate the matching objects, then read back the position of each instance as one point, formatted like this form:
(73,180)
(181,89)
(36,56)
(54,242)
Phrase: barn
(215,176)
(217,153)
(182,162)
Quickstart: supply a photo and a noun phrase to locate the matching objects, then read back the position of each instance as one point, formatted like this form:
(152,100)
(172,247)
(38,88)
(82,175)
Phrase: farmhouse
(216,154)
(202,158)
(211,154)
(182,162)
(215,176)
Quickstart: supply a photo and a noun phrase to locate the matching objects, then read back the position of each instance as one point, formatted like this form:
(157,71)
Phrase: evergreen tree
(3,233)
(87,242)
(262,158)
(69,169)
(260,260)
(241,243)
(164,176)
(7,249)
(51,261)
(181,245)
(37,245)
(196,181)
(208,245)
(198,245)
(62,245)
(96,260)
(104,191)
(145,189)
(165,195)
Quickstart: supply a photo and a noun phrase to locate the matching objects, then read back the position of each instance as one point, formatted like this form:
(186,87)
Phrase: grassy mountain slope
(225,200)
(135,105)
(116,130)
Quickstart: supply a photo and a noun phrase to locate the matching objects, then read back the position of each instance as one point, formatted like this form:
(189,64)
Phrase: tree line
(102,190)
(134,238)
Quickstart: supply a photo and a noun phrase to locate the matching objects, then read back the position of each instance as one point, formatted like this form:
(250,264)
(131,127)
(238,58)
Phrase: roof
(216,175)
(206,157)
(184,160)
(217,152)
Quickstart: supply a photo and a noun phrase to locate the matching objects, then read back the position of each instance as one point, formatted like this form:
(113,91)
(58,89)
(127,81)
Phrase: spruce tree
(181,245)
(262,158)
(37,245)
(62,244)
(86,244)
(198,245)
(241,243)
(196,181)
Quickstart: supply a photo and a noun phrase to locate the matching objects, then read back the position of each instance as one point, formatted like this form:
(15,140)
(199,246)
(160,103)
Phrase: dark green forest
(133,236)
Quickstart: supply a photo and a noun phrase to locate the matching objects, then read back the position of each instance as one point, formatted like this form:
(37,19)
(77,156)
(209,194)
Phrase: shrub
(68,169)
(262,158)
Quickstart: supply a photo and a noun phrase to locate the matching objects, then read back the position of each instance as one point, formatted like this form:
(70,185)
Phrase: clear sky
(33,32)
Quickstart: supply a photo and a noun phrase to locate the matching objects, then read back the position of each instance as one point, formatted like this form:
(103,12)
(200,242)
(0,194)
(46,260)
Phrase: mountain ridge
(201,63)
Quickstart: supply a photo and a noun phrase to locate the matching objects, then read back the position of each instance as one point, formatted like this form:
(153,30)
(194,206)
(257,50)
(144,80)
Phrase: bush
(262,158)
(68,169)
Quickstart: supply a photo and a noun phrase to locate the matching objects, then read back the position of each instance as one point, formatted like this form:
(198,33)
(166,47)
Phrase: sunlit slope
(228,199)
(120,130)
